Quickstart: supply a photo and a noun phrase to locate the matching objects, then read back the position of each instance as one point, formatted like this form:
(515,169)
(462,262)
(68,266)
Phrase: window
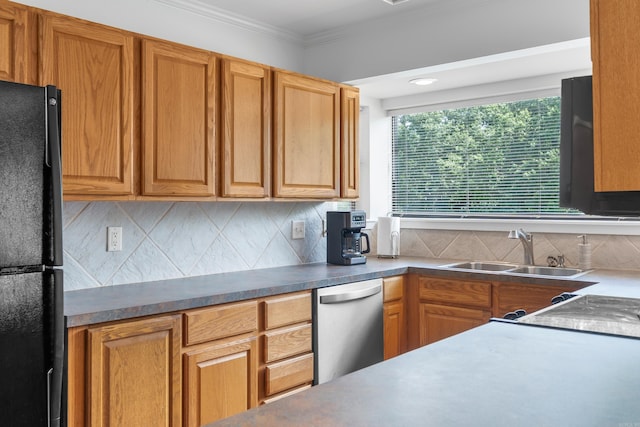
(498,159)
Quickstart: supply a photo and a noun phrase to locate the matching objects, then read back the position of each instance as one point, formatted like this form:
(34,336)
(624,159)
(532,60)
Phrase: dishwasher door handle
(351,295)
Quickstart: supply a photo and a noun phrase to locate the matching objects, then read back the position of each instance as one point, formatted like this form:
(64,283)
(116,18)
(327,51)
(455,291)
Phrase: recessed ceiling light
(422,81)
(394,2)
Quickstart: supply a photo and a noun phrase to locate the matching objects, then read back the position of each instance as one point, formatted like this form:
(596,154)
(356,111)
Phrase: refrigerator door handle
(54,161)
(49,374)
(57,372)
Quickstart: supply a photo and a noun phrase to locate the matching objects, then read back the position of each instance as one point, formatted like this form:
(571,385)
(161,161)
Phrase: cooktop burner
(593,313)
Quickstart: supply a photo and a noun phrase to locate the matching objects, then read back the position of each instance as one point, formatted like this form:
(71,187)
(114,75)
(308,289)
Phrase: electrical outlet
(114,239)
(297,229)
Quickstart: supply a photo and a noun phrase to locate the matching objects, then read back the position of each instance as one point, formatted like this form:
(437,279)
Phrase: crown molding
(224,16)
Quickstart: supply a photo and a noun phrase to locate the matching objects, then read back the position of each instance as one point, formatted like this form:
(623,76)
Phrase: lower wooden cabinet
(190,368)
(287,350)
(442,321)
(508,297)
(220,380)
(220,361)
(134,373)
(394,317)
(197,366)
(446,307)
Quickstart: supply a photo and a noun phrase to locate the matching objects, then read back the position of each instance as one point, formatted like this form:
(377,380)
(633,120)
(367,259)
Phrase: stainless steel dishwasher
(348,331)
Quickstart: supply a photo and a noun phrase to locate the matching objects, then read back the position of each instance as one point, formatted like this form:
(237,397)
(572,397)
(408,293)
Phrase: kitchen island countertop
(498,374)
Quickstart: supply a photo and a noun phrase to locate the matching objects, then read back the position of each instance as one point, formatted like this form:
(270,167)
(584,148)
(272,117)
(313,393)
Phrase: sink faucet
(527,243)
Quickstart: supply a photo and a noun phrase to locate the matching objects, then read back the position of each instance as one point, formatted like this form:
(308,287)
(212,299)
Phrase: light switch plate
(297,229)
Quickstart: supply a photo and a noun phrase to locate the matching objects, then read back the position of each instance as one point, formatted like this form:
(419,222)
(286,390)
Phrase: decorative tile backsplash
(608,251)
(172,240)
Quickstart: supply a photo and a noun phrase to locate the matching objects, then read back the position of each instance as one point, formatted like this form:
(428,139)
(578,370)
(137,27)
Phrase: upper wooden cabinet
(615,46)
(246,129)
(178,113)
(350,153)
(147,119)
(93,66)
(18,44)
(307,137)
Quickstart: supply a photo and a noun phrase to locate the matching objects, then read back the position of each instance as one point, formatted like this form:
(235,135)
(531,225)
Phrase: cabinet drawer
(393,289)
(509,297)
(288,374)
(455,291)
(213,323)
(286,343)
(287,310)
(287,394)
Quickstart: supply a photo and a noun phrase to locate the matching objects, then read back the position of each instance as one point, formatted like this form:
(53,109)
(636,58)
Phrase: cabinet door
(307,137)
(135,373)
(246,135)
(393,329)
(510,297)
(93,66)
(178,110)
(615,42)
(441,321)
(394,317)
(220,381)
(350,153)
(18,44)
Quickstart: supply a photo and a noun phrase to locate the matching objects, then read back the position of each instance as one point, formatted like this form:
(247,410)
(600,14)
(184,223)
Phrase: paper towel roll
(388,237)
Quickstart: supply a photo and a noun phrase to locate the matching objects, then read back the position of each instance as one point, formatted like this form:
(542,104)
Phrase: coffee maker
(344,239)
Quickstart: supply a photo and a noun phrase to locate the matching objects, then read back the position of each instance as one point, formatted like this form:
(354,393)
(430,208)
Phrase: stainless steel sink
(483,266)
(546,271)
(593,313)
(508,268)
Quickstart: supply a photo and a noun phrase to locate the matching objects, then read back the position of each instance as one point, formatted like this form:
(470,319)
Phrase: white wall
(375,158)
(448,31)
(157,19)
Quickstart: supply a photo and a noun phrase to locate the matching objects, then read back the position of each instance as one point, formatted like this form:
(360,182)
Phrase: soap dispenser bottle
(584,253)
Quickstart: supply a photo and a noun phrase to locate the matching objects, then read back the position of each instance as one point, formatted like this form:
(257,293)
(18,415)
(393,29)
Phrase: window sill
(567,226)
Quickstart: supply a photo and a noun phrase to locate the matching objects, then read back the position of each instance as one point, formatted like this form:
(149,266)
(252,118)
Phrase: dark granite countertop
(498,374)
(102,304)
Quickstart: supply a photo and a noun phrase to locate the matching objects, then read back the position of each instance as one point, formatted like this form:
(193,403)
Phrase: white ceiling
(308,20)
(559,58)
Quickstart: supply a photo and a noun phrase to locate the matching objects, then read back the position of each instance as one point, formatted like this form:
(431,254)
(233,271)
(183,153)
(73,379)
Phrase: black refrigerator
(32,350)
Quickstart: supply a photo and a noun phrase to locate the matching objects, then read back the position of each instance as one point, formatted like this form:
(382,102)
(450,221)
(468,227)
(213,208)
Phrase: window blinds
(492,159)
